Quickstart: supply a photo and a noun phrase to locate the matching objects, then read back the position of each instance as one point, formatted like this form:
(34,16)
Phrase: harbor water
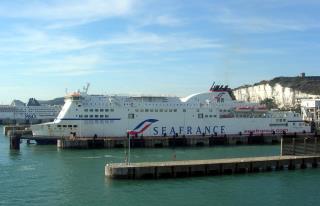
(45,175)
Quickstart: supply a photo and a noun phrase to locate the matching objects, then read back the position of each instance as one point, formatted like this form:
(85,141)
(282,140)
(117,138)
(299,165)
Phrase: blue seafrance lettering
(172,132)
(155,131)
(189,130)
(181,130)
(215,129)
(198,130)
(164,130)
(222,129)
(207,130)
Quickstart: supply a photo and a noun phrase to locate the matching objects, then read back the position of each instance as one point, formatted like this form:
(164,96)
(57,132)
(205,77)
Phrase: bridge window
(200,116)
(86,110)
(106,110)
(130,116)
(101,110)
(91,110)
(96,110)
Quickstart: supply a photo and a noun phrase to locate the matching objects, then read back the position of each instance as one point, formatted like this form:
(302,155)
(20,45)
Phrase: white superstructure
(209,113)
(310,109)
(20,112)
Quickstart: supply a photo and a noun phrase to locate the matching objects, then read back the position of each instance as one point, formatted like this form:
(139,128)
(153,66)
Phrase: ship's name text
(189,130)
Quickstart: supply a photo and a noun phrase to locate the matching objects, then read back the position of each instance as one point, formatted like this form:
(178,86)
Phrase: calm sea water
(45,175)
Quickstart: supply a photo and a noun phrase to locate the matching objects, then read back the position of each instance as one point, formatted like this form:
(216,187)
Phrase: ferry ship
(32,112)
(215,112)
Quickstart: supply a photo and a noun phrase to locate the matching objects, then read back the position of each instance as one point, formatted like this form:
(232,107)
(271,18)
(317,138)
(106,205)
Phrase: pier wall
(191,168)
(159,142)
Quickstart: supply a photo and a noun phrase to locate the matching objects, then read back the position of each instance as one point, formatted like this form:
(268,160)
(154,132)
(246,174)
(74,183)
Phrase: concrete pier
(191,168)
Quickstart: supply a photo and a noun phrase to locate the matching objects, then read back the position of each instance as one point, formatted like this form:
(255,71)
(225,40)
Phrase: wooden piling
(15,141)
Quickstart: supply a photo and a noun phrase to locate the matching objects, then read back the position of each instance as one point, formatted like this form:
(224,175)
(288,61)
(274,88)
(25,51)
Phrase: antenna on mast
(86,88)
(211,88)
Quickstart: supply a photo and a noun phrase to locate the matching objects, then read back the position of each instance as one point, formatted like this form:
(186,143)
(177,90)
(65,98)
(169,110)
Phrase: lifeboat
(244,109)
(261,109)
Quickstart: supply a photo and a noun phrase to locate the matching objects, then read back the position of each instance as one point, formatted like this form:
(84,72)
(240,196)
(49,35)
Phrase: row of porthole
(94,116)
(156,110)
(98,110)
(69,126)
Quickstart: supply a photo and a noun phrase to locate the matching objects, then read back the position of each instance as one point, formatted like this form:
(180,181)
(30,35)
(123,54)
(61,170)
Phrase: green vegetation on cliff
(307,84)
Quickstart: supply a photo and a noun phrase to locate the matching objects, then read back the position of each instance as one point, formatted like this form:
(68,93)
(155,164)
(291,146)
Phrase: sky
(158,47)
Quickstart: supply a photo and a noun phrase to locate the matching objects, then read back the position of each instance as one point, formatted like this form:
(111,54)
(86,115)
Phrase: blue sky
(169,47)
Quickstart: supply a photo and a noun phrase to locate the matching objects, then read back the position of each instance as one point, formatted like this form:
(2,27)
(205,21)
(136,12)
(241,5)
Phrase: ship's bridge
(74,96)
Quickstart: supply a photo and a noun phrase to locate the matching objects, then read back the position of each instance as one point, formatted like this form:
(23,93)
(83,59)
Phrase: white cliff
(285,97)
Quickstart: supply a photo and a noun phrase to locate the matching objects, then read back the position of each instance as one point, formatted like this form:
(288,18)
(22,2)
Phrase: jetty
(296,153)
(191,168)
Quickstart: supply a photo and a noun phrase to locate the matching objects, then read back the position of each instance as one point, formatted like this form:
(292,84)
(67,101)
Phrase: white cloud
(144,41)
(67,10)
(39,42)
(72,65)
(260,24)
(43,42)
(160,20)
(168,20)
